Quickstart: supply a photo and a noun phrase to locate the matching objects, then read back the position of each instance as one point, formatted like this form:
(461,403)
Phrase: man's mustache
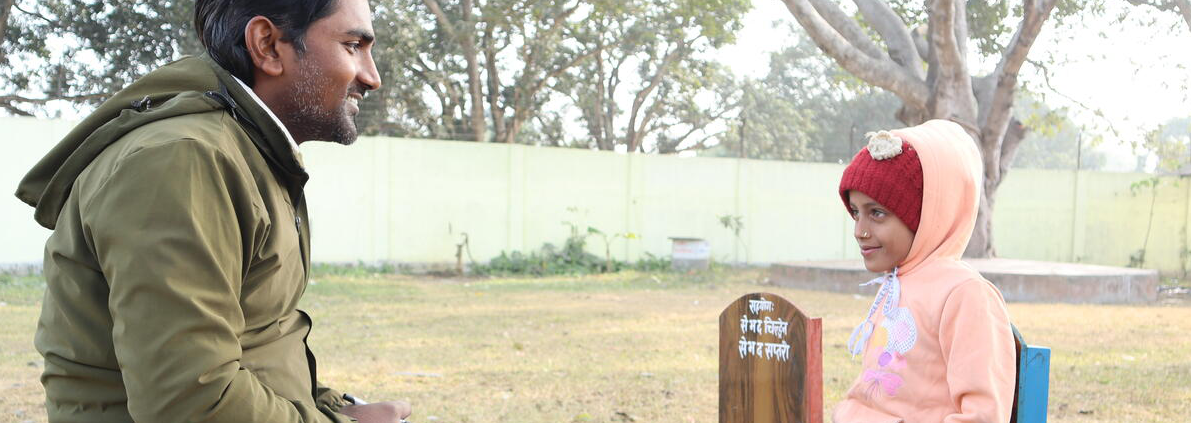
(358,89)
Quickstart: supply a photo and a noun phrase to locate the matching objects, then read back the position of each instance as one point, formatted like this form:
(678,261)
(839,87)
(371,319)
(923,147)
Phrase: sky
(1137,76)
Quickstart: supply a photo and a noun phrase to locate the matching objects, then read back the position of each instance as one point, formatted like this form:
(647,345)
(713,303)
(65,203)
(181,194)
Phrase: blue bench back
(1033,384)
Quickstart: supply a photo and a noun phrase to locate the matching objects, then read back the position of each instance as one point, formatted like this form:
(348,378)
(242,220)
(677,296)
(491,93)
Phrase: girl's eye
(878,213)
(854,213)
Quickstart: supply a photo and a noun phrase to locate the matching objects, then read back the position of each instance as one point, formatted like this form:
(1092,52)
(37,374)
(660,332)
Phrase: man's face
(333,74)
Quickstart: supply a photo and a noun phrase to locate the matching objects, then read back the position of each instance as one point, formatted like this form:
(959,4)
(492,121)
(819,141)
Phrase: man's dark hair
(220,25)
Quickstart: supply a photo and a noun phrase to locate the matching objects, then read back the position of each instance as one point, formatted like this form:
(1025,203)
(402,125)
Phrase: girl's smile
(884,240)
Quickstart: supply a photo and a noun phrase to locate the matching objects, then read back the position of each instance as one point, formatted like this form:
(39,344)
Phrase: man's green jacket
(179,253)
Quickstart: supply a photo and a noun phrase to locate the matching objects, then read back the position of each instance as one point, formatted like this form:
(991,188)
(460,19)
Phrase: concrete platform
(1018,280)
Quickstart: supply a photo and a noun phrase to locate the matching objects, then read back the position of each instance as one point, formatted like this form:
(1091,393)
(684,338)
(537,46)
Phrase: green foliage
(987,25)
(656,54)
(21,289)
(1053,140)
(98,47)
(1171,143)
(735,224)
(652,263)
(991,23)
(806,108)
(1138,259)
(528,52)
(1148,183)
(571,259)
(732,222)
(358,269)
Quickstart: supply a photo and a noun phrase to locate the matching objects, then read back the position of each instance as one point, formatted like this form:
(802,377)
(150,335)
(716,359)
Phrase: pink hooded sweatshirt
(941,348)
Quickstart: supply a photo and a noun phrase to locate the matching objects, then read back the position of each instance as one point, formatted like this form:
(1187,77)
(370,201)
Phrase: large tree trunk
(1182,7)
(5,13)
(494,86)
(467,41)
(983,106)
(1185,10)
(474,86)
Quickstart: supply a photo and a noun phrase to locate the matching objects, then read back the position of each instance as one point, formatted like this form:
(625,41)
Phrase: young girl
(936,344)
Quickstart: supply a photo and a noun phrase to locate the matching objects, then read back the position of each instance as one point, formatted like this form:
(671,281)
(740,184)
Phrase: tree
(100,47)
(1171,143)
(663,42)
(510,53)
(1053,140)
(1182,7)
(504,70)
(806,108)
(422,95)
(925,63)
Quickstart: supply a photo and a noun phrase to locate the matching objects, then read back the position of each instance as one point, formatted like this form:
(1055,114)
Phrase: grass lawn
(631,347)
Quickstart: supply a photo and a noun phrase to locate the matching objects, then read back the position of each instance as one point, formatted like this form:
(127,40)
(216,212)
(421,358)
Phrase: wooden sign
(771,362)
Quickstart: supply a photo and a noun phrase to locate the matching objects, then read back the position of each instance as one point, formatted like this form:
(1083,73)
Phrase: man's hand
(378,412)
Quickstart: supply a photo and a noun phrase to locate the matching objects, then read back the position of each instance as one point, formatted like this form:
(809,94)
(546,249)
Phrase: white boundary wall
(407,201)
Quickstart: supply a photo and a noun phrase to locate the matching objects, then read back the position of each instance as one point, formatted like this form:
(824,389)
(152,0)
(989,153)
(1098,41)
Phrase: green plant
(1138,259)
(652,263)
(357,269)
(735,223)
(571,259)
(608,243)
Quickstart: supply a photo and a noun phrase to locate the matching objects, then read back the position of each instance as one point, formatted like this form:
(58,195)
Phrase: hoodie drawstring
(887,298)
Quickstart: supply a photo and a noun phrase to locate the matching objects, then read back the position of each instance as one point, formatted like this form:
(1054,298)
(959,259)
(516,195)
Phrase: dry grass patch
(632,347)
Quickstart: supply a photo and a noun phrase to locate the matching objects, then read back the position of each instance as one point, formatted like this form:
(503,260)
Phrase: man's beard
(310,118)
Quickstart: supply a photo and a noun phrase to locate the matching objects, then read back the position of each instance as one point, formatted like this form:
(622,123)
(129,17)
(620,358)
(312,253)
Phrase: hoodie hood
(186,86)
(952,177)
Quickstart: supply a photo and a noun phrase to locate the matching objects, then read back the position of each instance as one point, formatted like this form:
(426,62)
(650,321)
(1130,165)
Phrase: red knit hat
(887,170)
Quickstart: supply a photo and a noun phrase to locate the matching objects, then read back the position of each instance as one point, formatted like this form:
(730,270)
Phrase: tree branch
(5,12)
(1035,13)
(961,29)
(920,43)
(635,133)
(1046,74)
(1185,9)
(15,110)
(494,84)
(13,98)
(884,73)
(895,33)
(847,27)
(468,43)
(1033,16)
(943,40)
(443,21)
(1014,135)
(51,22)
(952,85)
(559,70)
(702,125)
(701,144)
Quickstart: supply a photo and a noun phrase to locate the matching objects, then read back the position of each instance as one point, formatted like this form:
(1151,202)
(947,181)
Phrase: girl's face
(884,240)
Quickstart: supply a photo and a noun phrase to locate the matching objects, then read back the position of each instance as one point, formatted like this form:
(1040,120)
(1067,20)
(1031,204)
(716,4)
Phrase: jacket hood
(186,86)
(952,178)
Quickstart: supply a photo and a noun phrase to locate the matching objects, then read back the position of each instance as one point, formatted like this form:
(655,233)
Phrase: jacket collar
(266,132)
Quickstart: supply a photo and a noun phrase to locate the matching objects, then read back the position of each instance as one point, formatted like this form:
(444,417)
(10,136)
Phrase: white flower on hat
(883,145)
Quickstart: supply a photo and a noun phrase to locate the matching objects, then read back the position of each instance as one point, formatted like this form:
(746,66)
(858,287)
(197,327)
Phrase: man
(181,245)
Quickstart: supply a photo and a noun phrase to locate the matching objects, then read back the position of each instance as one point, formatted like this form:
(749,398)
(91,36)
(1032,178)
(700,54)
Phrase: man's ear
(263,40)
